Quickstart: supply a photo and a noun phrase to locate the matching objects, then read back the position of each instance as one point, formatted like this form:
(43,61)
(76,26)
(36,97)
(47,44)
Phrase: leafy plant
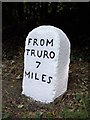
(37,116)
(48,116)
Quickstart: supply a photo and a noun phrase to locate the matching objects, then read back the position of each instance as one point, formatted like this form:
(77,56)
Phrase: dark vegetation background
(18,19)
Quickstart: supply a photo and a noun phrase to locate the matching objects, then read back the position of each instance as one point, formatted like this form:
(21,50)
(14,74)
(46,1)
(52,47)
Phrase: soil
(16,105)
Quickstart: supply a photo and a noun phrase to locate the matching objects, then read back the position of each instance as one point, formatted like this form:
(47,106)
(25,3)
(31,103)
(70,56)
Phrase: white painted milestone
(46,63)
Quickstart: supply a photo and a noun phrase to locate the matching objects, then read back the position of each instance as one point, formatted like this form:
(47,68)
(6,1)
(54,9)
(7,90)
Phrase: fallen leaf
(18,77)
(20,106)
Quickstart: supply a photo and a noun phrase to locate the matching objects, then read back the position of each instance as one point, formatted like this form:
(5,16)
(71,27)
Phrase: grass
(67,113)
(81,112)
(77,114)
(37,116)
(77,94)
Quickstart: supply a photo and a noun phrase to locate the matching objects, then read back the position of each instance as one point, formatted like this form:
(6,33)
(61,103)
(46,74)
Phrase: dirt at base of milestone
(14,104)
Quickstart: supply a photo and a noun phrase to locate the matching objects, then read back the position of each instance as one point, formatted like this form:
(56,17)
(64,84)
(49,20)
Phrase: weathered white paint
(48,77)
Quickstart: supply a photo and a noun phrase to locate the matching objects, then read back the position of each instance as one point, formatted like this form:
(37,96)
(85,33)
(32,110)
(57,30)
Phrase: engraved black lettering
(39,53)
(50,78)
(36,78)
(35,42)
(27,74)
(32,75)
(29,40)
(52,54)
(43,76)
(33,52)
(45,54)
(42,42)
(49,42)
(27,51)
(38,64)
